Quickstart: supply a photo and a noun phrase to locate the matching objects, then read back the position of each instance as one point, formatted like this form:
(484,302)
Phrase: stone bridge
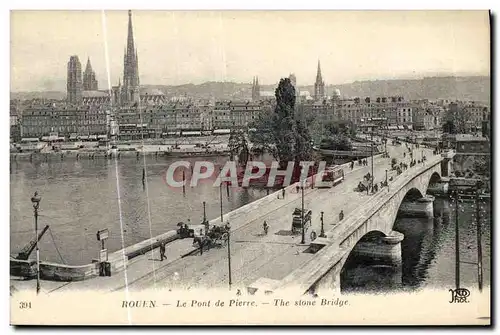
(367,232)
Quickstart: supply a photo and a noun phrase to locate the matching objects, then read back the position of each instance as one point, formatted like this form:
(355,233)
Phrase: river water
(81,197)
(428,253)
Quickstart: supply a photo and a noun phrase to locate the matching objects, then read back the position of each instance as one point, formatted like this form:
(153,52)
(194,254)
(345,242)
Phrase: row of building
(132,113)
(134,122)
(155,116)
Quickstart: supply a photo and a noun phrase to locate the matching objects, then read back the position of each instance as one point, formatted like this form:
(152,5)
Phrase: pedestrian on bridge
(162,251)
(283,192)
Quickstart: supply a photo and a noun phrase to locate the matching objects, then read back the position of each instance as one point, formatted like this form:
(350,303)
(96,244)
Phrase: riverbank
(117,261)
(120,153)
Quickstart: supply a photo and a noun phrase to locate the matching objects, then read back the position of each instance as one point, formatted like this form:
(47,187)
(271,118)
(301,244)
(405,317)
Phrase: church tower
(319,85)
(74,81)
(89,81)
(255,89)
(130,89)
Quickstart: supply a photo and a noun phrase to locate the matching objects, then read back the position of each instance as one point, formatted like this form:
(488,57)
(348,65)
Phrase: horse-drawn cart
(297,220)
(217,236)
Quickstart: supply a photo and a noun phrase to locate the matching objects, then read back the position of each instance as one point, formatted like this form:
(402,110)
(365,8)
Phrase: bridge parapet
(343,237)
(448,154)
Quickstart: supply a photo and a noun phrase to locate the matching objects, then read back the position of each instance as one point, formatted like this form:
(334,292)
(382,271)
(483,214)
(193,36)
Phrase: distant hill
(454,88)
(38,95)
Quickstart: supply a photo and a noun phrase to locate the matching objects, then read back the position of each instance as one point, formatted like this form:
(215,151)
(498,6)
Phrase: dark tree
(238,146)
(283,124)
(449,127)
(481,166)
(303,141)
(337,142)
(340,127)
(282,132)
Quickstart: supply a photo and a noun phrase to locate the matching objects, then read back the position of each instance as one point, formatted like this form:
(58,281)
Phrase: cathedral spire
(88,68)
(130,36)
(255,89)
(130,91)
(319,85)
(89,79)
(318,74)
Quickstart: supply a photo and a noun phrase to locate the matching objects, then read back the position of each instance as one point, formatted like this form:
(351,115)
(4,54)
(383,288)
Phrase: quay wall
(102,154)
(66,272)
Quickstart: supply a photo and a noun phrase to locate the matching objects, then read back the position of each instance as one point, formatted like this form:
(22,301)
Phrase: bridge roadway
(255,255)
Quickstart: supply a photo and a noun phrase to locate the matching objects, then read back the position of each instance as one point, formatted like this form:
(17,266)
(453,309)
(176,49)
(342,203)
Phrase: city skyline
(213,46)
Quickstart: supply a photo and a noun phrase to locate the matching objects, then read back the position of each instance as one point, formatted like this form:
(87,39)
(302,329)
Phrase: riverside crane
(25,252)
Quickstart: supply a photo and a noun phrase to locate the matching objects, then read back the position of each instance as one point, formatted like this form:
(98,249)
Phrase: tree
(481,166)
(449,127)
(458,121)
(461,120)
(340,127)
(238,146)
(337,142)
(303,141)
(282,132)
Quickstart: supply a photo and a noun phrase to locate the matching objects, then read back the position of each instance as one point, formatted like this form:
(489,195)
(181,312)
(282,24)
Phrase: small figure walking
(341,215)
(283,192)
(162,251)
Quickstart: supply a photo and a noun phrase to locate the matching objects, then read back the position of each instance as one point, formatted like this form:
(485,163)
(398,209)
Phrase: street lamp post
(35,200)
(204,212)
(479,243)
(229,253)
(220,194)
(322,227)
(302,214)
(372,163)
(457,244)
(386,180)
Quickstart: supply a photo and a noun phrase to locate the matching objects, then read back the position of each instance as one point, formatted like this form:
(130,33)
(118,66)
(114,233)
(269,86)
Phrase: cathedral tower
(130,89)
(89,81)
(255,89)
(74,81)
(319,85)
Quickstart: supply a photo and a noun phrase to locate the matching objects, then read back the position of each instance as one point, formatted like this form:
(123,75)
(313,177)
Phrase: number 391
(24,304)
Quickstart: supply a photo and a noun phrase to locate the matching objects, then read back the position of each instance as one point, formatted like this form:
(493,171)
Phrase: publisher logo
(459,295)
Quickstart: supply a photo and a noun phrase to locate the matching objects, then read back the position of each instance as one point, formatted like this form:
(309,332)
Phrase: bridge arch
(380,257)
(368,237)
(435,177)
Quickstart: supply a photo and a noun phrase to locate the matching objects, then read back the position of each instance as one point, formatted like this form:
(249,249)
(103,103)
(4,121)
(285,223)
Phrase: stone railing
(306,276)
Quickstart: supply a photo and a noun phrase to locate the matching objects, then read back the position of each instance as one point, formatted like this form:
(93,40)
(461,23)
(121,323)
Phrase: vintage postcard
(250,167)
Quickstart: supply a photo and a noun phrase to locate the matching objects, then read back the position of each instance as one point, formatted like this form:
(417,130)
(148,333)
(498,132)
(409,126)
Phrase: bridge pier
(423,207)
(381,250)
(438,188)
(385,250)
(446,163)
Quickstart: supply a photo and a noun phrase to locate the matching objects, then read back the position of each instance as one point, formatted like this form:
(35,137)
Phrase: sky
(180,47)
